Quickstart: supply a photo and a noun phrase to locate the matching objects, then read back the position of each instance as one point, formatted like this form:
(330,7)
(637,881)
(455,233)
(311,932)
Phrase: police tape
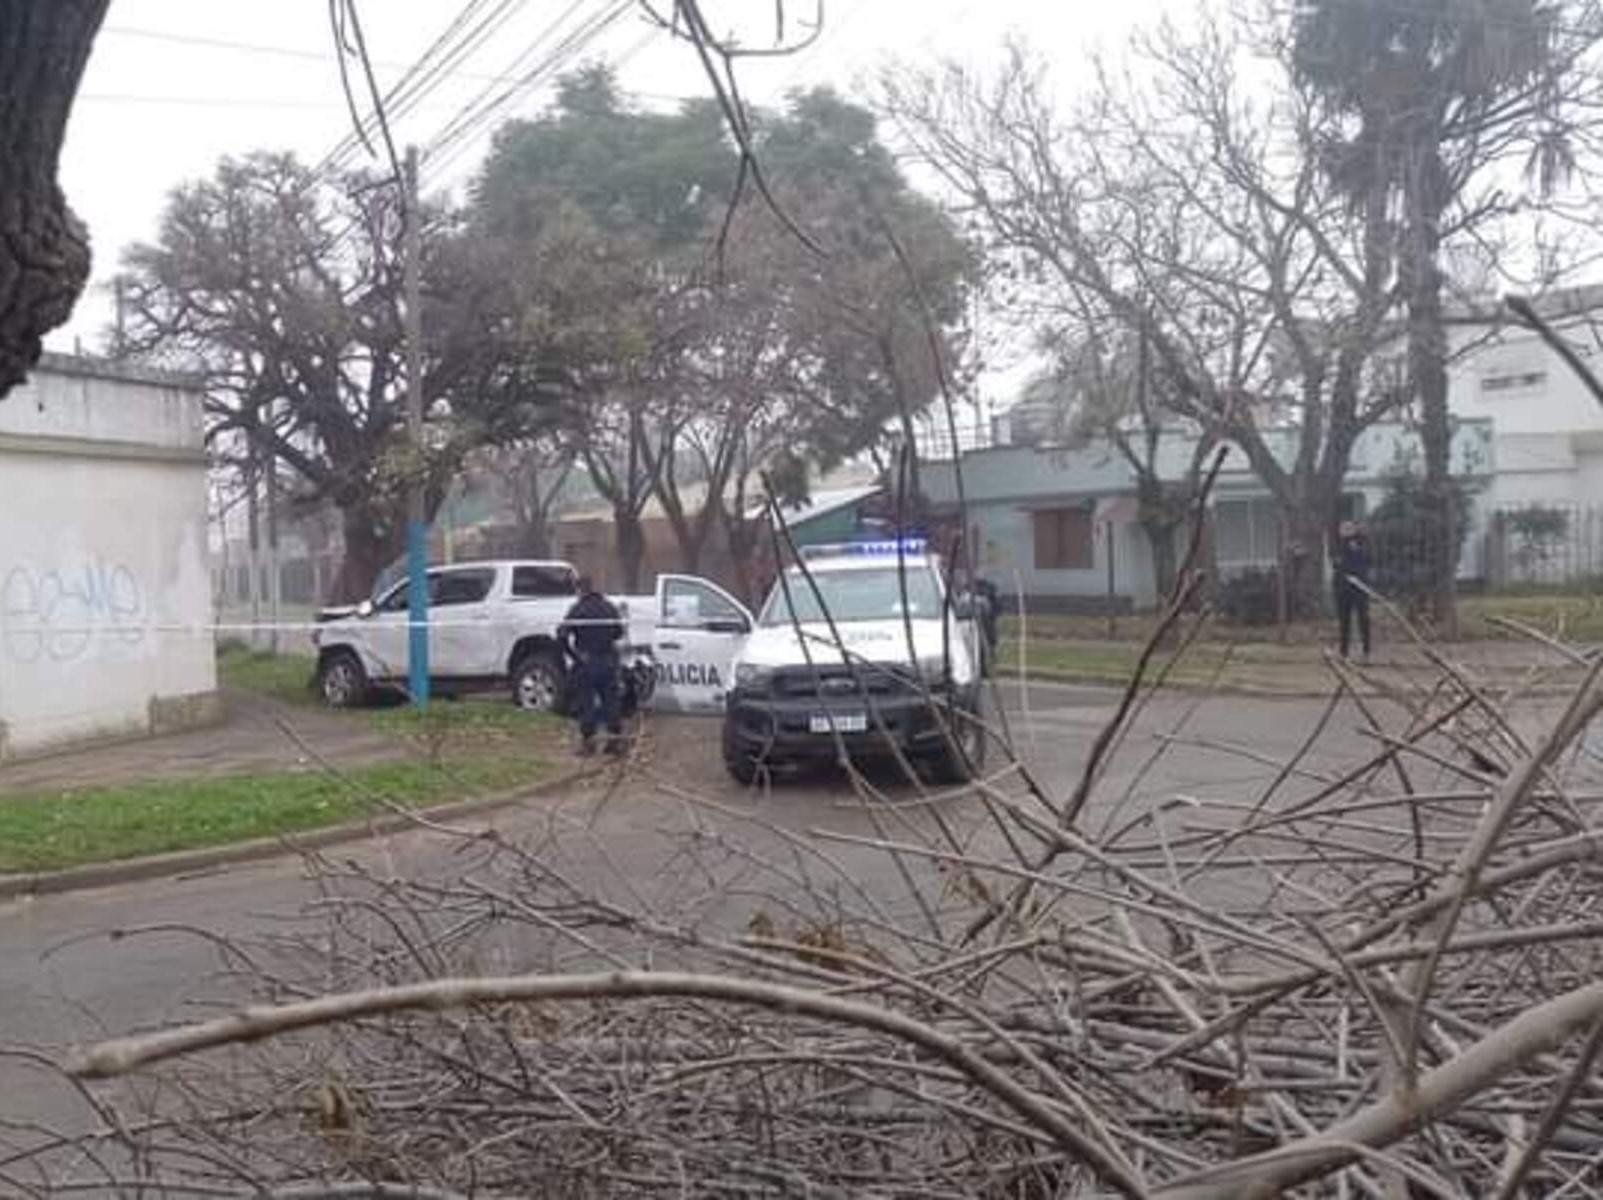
(45,628)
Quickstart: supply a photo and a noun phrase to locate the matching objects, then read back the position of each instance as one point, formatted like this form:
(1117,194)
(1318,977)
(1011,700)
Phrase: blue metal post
(417,596)
(417,609)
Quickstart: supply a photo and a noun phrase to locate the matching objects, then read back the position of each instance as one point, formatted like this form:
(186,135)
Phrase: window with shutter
(1064,539)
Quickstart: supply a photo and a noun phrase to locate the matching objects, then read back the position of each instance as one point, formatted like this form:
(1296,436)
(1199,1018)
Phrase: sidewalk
(250,738)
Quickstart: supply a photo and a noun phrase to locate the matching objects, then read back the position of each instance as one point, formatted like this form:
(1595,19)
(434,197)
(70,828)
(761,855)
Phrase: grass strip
(283,677)
(42,831)
(1575,615)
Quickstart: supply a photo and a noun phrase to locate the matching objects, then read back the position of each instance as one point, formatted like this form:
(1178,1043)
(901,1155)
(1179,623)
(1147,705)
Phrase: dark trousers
(1351,604)
(598,696)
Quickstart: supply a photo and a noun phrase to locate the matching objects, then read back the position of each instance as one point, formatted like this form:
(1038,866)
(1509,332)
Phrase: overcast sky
(173,85)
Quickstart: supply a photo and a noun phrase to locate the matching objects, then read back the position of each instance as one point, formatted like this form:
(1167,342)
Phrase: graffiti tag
(59,614)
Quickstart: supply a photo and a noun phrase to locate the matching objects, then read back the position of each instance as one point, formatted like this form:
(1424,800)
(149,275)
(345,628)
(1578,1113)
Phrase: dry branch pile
(1362,978)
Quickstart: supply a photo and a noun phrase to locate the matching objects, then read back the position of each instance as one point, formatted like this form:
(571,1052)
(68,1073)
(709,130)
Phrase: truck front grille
(843,682)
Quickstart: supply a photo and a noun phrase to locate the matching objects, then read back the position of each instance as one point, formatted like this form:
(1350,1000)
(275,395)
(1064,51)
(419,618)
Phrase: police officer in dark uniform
(1350,566)
(990,610)
(589,636)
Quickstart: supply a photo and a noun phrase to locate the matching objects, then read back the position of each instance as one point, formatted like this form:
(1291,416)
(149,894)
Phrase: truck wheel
(341,680)
(963,758)
(738,761)
(537,682)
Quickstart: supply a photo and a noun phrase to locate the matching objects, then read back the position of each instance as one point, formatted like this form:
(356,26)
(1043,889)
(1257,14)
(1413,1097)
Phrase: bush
(1539,531)
(1248,597)
(1407,533)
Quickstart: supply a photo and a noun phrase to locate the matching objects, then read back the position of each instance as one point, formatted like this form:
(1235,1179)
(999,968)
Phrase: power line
(458,41)
(187,39)
(320,57)
(523,77)
(470,116)
(456,136)
(206,101)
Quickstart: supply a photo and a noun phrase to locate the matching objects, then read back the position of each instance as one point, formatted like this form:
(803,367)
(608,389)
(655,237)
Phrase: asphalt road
(80,966)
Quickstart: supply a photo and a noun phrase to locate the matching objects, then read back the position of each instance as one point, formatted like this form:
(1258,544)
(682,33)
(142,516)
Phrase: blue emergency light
(875,548)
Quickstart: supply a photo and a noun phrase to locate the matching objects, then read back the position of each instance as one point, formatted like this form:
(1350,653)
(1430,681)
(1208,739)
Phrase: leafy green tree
(1432,96)
(597,209)
(285,292)
(721,333)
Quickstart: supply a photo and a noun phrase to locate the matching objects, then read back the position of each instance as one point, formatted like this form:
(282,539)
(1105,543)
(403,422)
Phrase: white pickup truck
(865,649)
(494,624)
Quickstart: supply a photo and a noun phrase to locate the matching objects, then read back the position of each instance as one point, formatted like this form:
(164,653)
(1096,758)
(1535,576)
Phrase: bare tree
(44,248)
(285,292)
(1103,391)
(532,477)
(1196,218)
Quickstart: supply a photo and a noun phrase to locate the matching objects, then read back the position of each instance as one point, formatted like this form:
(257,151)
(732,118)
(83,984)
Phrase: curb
(1119,681)
(186,862)
(1222,689)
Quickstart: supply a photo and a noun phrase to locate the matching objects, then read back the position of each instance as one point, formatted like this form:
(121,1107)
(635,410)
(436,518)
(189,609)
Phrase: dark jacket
(592,628)
(1352,558)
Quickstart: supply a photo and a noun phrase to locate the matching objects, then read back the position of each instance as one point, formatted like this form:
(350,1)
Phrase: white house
(1548,437)
(1528,440)
(104,588)
(1058,525)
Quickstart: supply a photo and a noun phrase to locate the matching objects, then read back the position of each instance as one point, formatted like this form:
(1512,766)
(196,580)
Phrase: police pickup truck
(494,624)
(861,651)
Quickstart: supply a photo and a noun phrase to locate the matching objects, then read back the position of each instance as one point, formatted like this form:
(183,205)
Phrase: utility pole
(275,568)
(417,599)
(253,467)
(119,294)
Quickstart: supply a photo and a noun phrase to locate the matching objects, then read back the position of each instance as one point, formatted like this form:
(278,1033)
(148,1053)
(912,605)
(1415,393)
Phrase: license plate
(842,722)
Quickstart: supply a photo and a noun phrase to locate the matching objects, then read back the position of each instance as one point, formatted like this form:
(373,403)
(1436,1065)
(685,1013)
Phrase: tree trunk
(690,533)
(631,547)
(1427,362)
(1302,557)
(369,548)
(1165,557)
(690,554)
(534,537)
(742,550)
(44,248)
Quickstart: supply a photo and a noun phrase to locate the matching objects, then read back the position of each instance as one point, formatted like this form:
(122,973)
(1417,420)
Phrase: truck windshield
(861,594)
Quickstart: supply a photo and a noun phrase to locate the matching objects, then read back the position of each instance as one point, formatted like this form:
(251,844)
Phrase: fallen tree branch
(121,1055)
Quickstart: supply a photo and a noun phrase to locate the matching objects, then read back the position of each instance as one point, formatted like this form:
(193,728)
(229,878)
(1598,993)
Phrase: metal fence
(1552,544)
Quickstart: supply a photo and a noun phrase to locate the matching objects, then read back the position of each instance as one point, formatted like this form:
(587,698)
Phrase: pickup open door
(700,628)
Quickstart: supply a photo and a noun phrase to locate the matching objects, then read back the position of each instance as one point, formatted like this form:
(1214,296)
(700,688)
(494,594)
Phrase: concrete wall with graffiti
(104,587)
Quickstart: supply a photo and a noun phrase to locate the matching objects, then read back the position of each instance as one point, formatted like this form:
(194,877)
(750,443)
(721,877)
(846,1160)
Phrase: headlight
(933,668)
(752,675)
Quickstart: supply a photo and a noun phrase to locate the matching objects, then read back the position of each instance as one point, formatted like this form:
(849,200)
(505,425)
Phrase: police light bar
(877,548)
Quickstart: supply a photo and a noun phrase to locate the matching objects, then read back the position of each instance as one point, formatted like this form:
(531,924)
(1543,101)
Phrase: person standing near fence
(589,637)
(1350,566)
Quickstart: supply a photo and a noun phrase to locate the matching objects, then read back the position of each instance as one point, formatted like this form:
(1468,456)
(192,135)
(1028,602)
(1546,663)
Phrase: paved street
(66,973)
